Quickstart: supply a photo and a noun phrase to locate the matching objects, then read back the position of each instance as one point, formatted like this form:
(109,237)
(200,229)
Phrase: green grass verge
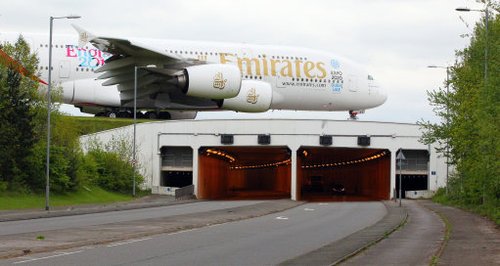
(95,195)
(489,210)
(89,125)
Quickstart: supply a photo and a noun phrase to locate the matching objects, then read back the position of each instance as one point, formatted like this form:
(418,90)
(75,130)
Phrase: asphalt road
(64,222)
(265,240)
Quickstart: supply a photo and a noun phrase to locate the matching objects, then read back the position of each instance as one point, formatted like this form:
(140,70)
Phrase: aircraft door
(64,69)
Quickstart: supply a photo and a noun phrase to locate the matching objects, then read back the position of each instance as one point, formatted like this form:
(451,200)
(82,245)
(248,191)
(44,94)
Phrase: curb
(26,215)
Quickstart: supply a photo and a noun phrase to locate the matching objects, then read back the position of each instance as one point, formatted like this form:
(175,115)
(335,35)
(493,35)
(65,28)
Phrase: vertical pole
(486,17)
(400,184)
(47,171)
(135,120)
(294,168)
(447,124)
(485,95)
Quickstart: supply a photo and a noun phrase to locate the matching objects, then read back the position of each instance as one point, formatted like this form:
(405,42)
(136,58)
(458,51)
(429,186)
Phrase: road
(64,222)
(265,240)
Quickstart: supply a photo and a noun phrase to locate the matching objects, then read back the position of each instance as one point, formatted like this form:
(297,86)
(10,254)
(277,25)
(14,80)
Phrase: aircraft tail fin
(83,36)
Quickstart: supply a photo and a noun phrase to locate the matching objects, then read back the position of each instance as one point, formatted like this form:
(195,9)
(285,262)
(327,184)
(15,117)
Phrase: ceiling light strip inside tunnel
(232,159)
(350,162)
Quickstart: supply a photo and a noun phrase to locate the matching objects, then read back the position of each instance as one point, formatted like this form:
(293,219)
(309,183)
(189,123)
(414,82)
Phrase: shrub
(113,173)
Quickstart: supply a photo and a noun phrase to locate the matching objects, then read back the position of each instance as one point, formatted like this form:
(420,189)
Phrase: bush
(112,172)
(63,162)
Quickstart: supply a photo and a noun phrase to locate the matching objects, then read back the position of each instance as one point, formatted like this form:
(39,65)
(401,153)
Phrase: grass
(89,125)
(447,234)
(490,210)
(95,195)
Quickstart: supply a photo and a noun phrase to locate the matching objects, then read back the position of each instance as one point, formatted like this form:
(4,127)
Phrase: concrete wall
(284,132)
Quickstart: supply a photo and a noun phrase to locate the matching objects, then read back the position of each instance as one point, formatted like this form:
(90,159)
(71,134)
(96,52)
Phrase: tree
(470,125)
(18,97)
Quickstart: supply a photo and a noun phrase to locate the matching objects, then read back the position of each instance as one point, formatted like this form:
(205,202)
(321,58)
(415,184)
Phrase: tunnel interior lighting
(221,154)
(257,166)
(350,162)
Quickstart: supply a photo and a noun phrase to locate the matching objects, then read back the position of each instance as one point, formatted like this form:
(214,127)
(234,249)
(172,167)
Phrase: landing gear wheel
(165,115)
(124,114)
(151,115)
(111,114)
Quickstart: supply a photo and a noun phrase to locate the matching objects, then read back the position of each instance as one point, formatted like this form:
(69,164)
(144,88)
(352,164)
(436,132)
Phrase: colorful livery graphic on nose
(337,79)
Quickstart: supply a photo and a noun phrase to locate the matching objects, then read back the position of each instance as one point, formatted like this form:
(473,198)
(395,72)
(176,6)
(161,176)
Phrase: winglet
(83,36)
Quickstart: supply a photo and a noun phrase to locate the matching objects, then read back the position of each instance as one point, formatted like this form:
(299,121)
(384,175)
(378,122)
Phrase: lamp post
(399,158)
(486,18)
(135,126)
(447,118)
(47,185)
(134,160)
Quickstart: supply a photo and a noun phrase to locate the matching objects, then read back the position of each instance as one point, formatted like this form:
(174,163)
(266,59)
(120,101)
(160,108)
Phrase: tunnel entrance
(244,172)
(343,174)
(176,167)
(413,171)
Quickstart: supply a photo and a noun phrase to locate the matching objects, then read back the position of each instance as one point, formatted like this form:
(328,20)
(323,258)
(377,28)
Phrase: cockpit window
(370,77)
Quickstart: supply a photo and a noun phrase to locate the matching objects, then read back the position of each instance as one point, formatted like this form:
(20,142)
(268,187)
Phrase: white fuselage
(301,79)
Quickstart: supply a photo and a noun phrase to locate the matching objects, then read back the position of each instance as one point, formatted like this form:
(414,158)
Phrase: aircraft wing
(157,72)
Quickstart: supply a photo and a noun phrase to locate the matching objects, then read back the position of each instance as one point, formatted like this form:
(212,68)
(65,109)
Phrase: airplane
(176,79)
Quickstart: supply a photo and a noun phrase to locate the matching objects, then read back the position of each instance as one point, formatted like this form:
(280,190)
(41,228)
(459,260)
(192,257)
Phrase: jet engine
(90,91)
(254,96)
(212,81)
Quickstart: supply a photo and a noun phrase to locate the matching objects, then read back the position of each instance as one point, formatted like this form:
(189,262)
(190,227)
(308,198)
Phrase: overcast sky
(394,39)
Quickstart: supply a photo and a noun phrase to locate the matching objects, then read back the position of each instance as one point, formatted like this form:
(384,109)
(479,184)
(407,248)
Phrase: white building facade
(291,158)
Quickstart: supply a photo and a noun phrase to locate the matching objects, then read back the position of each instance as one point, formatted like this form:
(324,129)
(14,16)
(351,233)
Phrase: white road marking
(281,218)
(322,204)
(49,257)
(128,242)
(215,225)
(308,209)
(180,232)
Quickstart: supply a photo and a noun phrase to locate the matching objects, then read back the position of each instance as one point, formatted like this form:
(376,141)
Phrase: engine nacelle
(212,81)
(90,91)
(254,96)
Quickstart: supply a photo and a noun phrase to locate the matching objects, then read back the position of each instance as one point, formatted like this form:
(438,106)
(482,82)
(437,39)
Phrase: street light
(486,18)
(135,121)
(134,161)
(47,185)
(399,159)
(447,117)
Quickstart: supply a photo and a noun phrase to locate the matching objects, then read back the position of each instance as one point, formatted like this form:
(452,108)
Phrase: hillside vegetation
(469,131)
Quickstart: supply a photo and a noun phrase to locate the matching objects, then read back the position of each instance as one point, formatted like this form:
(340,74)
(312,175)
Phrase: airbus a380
(175,79)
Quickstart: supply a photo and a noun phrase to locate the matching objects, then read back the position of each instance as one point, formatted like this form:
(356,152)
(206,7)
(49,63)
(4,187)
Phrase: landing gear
(111,114)
(125,113)
(151,115)
(353,115)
